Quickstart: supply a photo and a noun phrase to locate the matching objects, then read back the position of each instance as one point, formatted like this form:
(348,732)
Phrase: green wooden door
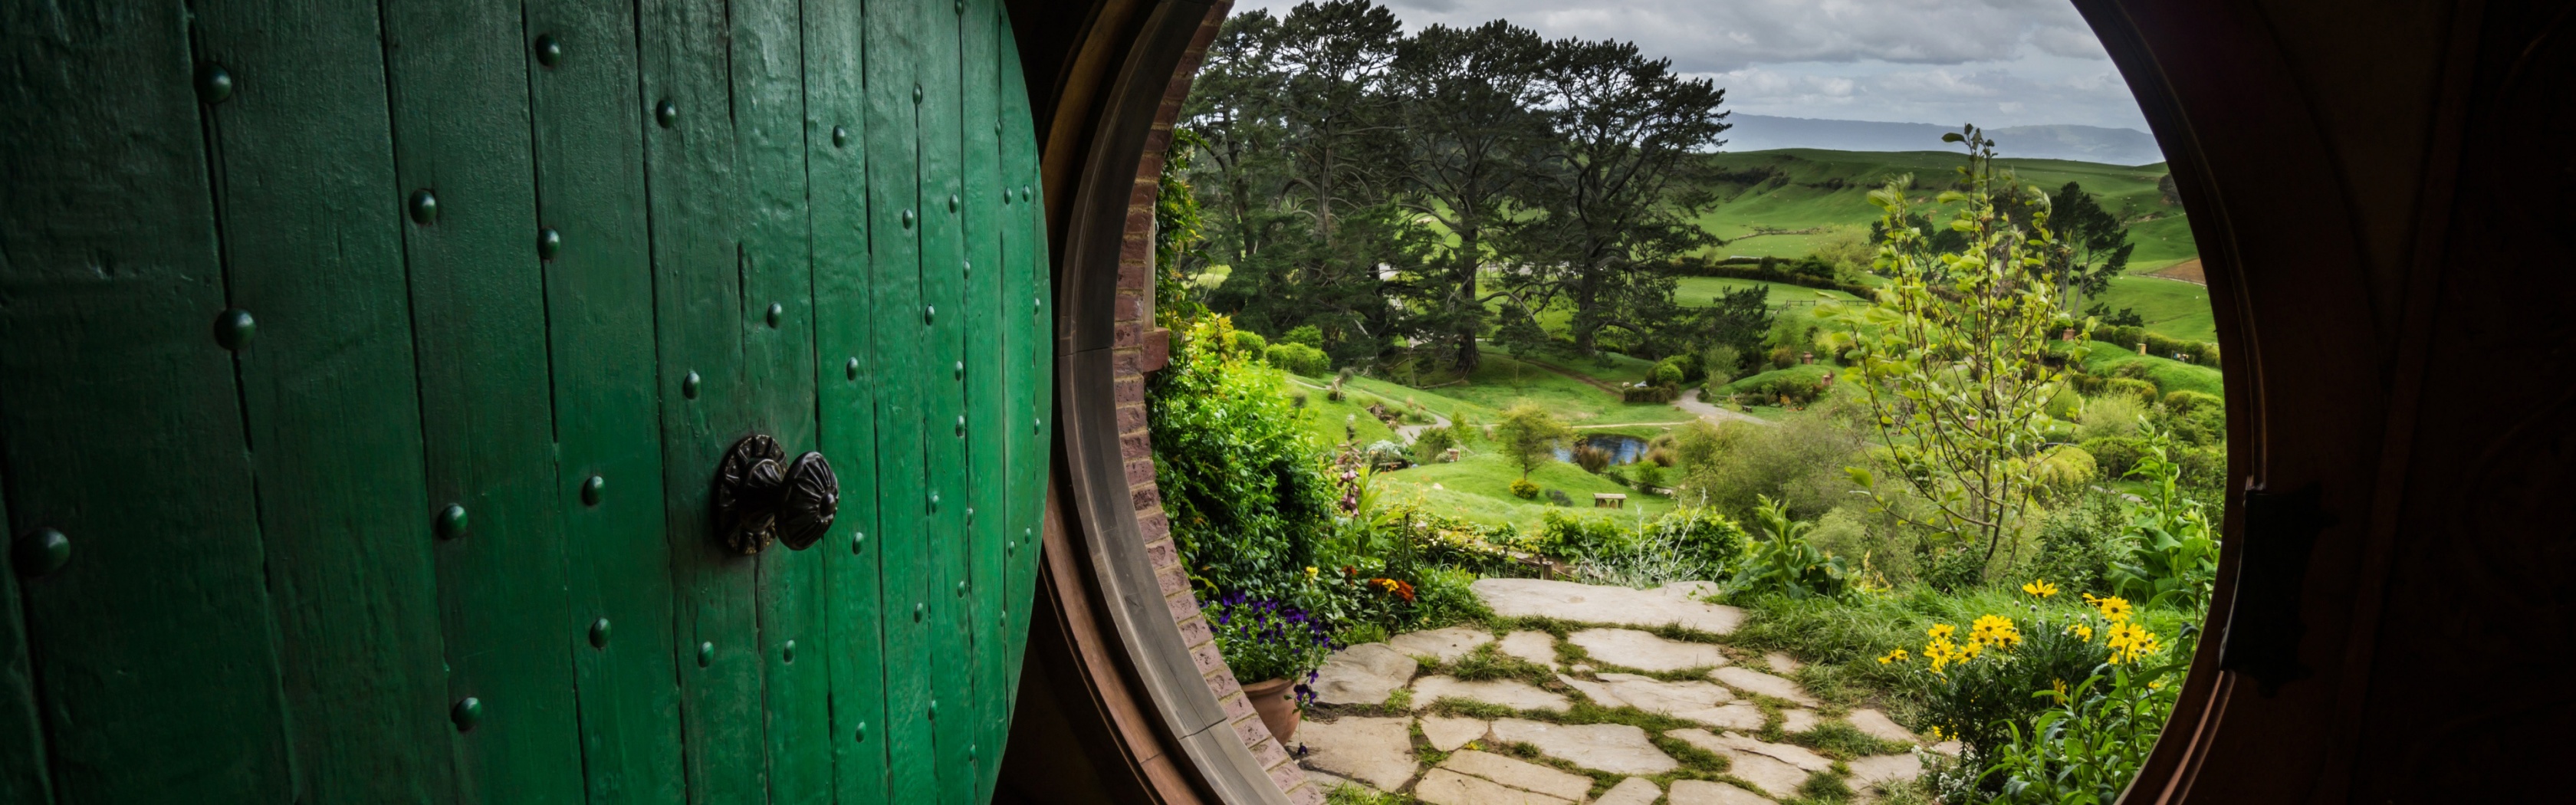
(367,369)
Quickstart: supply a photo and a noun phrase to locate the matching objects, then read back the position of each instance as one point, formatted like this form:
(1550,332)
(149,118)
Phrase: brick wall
(1141,348)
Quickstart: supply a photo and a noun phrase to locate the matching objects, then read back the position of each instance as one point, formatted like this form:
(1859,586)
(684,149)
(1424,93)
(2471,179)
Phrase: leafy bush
(1799,461)
(2004,671)
(2195,418)
(1649,393)
(1529,435)
(1523,489)
(1250,343)
(1565,536)
(1384,455)
(2142,391)
(1265,639)
(2110,415)
(2114,456)
(1591,459)
(1558,497)
(1299,358)
(2078,543)
(1247,501)
(1667,373)
(1432,444)
(1784,562)
(2175,560)
(2091,744)
(1306,334)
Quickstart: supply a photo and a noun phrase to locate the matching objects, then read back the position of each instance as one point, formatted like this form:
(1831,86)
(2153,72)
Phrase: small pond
(1623,449)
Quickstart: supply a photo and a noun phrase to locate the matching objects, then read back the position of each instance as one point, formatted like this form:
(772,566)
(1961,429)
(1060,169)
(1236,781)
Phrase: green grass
(2172,308)
(1810,372)
(1477,488)
(1703,291)
(1323,419)
(2169,375)
(1830,189)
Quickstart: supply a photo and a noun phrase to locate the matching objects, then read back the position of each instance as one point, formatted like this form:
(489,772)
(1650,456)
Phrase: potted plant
(1278,645)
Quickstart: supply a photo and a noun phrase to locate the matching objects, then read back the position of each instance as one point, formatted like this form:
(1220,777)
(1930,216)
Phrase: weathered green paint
(110,271)
(589,124)
(487,247)
(460,128)
(846,370)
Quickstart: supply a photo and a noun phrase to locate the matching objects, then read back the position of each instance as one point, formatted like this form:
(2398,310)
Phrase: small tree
(1955,354)
(1529,435)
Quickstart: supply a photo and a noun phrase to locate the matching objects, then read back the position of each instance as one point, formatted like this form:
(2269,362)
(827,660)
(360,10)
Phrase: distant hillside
(1805,196)
(2084,143)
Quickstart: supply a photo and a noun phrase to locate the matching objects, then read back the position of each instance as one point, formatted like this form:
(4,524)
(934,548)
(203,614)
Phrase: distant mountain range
(2082,143)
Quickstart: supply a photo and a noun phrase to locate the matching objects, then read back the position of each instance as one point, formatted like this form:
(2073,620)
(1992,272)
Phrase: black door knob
(758,499)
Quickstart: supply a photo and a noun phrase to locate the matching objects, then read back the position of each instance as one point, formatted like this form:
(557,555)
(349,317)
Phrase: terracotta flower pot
(1276,701)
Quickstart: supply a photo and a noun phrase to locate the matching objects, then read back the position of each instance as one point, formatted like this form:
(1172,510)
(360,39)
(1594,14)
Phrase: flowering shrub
(1523,489)
(1991,686)
(1247,501)
(1265,639)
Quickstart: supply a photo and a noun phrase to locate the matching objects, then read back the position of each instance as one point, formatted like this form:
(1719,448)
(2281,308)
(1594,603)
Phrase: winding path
(1690,403)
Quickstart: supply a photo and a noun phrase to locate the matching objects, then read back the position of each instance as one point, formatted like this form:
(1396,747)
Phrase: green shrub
(1649,394)
(1699,534)
(2195,418)
(1667,373)
(1523,489)
(2111,414)
(2140,390)
(2078,543)
(1249,342)
(2187,401)
(2114,456)
(1248,502)
(1566,536)
(1785,562)
(1298,358)
(1432,444)
(1265,639)
(1306,334)
(2066,405)
(1591,459)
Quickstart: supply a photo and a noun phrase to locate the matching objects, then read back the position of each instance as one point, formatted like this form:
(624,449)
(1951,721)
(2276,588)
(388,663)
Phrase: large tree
(2092,245)
(1466,100)
(1614,189)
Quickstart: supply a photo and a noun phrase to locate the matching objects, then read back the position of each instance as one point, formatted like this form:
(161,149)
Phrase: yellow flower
(2129,641)
(1940,630)
(2040,587)
(1996,630)
(1310,571)
(1936,733)
(2115,608)
(2057,688)
(2083,631)
(1892,656)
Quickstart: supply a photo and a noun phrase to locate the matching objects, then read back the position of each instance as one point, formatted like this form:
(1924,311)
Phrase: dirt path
(1714,415)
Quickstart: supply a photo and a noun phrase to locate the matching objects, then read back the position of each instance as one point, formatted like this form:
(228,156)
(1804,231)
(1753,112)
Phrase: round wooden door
(370,367)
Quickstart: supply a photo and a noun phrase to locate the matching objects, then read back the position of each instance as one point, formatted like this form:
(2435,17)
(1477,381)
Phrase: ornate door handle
(757,499)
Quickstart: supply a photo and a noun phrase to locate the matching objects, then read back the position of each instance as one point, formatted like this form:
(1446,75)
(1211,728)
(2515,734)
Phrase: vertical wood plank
(312,218)
(778,344)
(699,264)
(1031,346)
(109,284)
(588,127)
(848,373)
(22,736)
(458,83)
(987,368)
(943,256)
(895,40)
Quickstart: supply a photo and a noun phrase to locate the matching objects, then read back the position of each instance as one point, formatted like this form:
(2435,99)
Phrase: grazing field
(1477,488)
(2169,375)
(1703,291)
(2172,308)
(1799,189)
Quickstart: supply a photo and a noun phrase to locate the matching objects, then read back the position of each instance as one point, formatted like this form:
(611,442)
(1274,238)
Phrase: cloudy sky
(1995,63)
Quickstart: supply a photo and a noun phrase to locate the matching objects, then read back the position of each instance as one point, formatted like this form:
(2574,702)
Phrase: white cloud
(1998,62)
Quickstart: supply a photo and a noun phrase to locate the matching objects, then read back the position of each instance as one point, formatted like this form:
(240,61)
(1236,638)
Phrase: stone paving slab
(1631,791)
(1732,716)
(1645,652)
(1703,792)
(1876,769)
(1598,692)
(1752,681)
(1376,751)
(1446,645)
(1445,787)
(1447,734)
(1363,674)
(1614,748)
(1668,698)
(1537,647)
(1774,777)
(1584,603)
(1798,756)
(1877,725)
(1782,663)
(1506,692)
(1798,721)
(1520,774)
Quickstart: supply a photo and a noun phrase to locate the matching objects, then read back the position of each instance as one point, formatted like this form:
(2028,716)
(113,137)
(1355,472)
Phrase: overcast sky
(1995,63)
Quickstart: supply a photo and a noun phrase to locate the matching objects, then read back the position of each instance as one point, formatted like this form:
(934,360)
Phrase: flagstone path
(1391,726)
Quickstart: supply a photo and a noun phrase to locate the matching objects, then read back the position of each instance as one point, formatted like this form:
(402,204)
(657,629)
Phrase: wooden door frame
(2253,107)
